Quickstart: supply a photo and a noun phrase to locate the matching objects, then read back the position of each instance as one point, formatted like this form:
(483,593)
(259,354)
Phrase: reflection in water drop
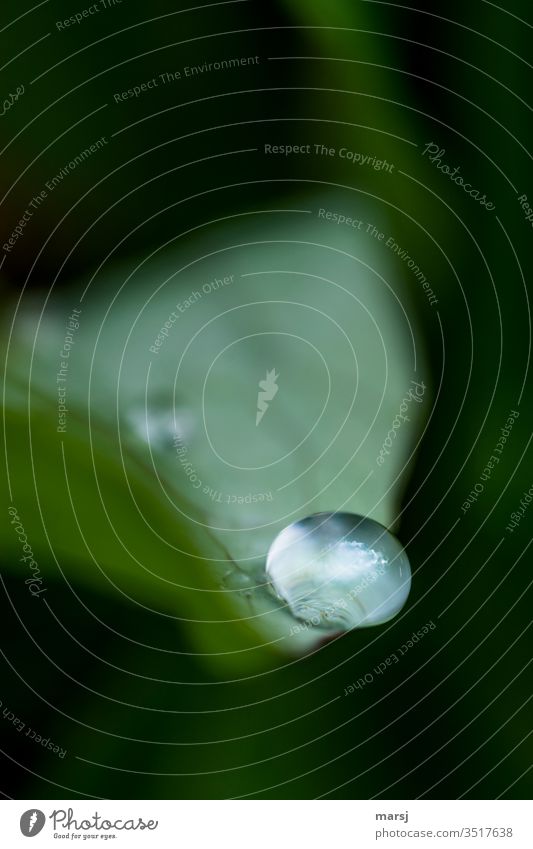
(339,571)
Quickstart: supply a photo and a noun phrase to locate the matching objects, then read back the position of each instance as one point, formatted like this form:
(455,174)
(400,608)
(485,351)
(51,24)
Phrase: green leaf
(178,489)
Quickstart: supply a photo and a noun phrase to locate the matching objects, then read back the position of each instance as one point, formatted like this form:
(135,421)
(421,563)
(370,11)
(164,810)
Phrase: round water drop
(160,425)
(339,571)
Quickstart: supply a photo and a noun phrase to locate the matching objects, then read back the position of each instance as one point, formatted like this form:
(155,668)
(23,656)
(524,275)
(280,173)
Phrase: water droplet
(339,571)
(160,425)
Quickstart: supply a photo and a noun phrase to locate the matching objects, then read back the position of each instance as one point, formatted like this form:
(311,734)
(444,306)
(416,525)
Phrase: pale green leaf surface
(316,302)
